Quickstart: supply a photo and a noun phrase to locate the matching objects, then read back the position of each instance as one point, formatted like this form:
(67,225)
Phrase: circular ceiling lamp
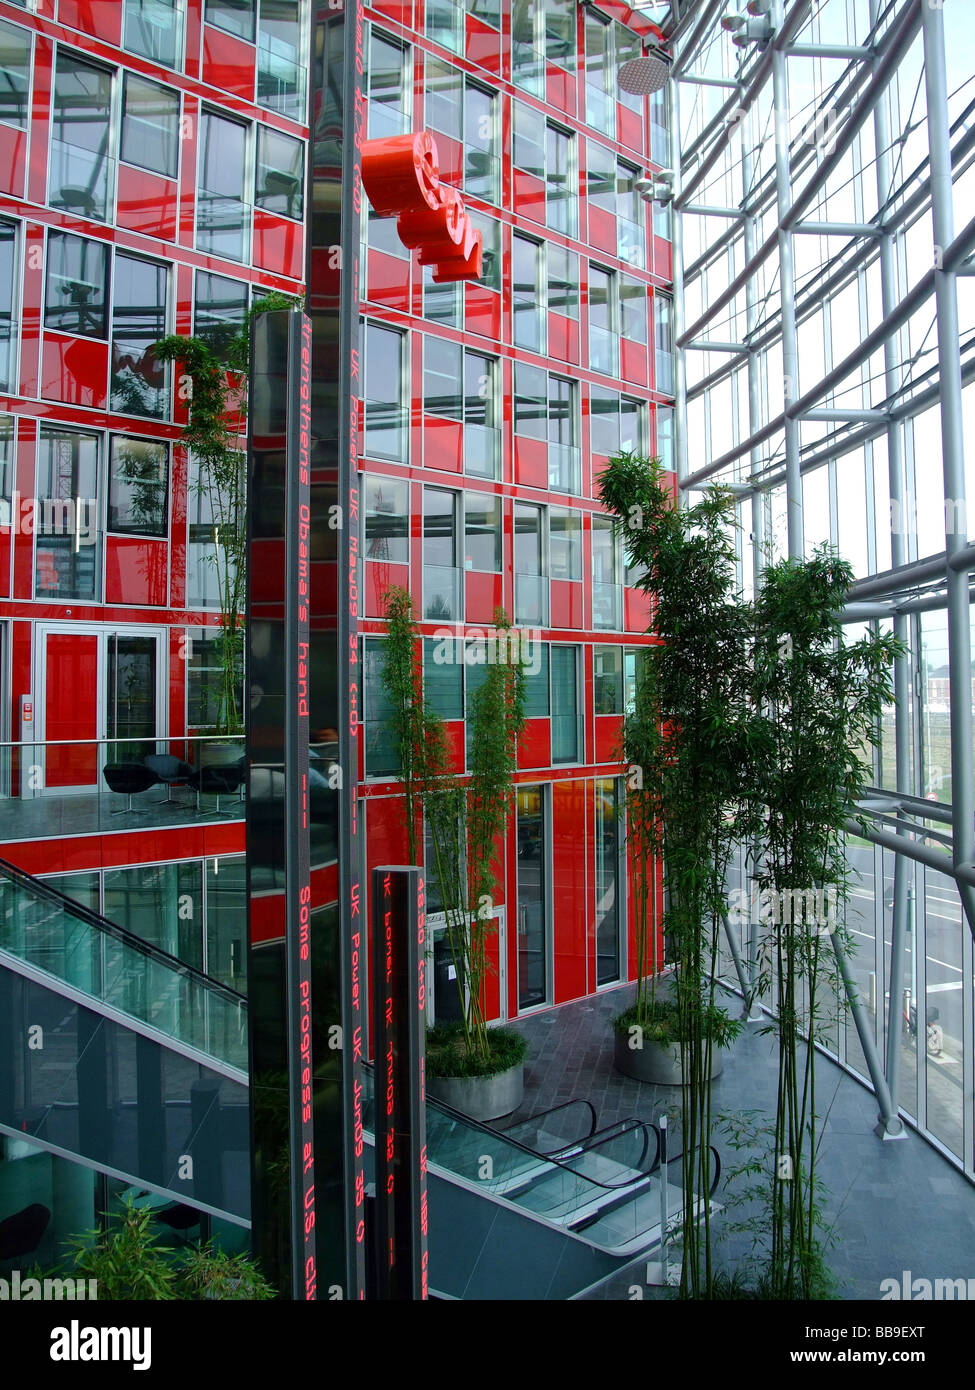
(645,75)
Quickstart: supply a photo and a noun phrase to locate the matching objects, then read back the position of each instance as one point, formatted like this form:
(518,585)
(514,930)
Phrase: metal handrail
(554,1109)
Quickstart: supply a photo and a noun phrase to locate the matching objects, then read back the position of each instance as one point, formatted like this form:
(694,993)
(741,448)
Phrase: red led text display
(399,1003)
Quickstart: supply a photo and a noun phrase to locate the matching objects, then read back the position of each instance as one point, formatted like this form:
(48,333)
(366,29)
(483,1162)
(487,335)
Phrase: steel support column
(787,291)
(897,483)
(953,450)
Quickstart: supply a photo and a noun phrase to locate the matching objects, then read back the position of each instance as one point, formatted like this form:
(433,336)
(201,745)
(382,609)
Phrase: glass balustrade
(54,935)
(80,787)
(223,225)
(81,180)
(482,450)
(563,467)
(606,606)
(442,588)
(531,600)
(610,1185)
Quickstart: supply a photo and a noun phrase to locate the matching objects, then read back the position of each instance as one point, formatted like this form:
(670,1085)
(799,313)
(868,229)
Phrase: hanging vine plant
(213,377)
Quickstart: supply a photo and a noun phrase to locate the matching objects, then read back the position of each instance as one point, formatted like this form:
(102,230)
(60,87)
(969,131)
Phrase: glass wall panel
(608,893)
(532,899)
(67,528)
(80,174)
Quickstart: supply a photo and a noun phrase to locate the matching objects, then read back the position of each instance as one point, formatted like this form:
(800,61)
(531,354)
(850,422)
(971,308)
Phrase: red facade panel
(147,202)
(570,889)
(278,244)
(135,571)
(101,18)
(75,370)
(228,63)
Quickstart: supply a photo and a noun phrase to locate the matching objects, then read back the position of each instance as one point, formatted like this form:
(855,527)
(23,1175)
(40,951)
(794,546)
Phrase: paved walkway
(896,1206)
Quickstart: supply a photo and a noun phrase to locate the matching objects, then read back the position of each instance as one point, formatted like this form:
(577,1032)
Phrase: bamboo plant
(695,687)
(817,703)
(466,813)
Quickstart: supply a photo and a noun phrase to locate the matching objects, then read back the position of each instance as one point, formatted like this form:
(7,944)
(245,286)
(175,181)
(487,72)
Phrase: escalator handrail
(624,1198)
(554,1109)
(108,928)
(471,1123)
(604,1135)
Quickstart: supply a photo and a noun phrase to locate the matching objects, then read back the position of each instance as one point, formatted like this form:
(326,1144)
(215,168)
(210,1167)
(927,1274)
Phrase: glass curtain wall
(864,442)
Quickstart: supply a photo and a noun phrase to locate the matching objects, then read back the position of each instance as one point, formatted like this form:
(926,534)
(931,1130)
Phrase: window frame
(11,388)
(169,309)
(28,35)
(107,249)
(579,759)
(127,74)
(98,542)
(458,538)
(247,184)
(402,404)
(112,141)
(110,530)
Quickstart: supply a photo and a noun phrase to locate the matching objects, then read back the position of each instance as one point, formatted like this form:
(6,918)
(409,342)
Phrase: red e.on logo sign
(401,175)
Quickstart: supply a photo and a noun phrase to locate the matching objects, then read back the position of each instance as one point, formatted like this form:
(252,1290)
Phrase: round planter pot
(481,1097)
(217,754)
(658,1064)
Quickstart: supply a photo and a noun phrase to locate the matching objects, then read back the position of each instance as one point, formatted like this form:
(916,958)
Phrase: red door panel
(71,708)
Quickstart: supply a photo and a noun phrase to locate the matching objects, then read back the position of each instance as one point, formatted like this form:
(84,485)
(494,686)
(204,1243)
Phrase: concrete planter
(481,1097)
(217,754)
(658,1064)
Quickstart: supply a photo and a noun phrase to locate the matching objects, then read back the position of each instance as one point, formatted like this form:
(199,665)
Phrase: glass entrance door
(131,674)
(100,699)
(532,899)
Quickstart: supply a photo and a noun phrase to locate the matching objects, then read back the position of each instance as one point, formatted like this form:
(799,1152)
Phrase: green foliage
(130,1262)
(411,724)
(689,738)
(208,1272)
(817,704)
(642,748)
(751,726)
(661,1022)
(127,1259)
(215,434)
(448,1053)
(467,814)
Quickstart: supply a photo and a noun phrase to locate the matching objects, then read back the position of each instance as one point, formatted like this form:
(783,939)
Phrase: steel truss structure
(823,181)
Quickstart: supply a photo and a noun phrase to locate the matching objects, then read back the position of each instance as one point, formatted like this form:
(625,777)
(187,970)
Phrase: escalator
(510,1221)
(119,1056)
(123,1059)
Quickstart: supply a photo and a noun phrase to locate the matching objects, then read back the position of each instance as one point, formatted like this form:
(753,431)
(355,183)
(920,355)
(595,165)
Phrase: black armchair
(219,779)
(128,779)
(22,1233)
(169,770)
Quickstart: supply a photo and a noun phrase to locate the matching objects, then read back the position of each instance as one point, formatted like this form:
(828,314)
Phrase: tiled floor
(895,1206)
